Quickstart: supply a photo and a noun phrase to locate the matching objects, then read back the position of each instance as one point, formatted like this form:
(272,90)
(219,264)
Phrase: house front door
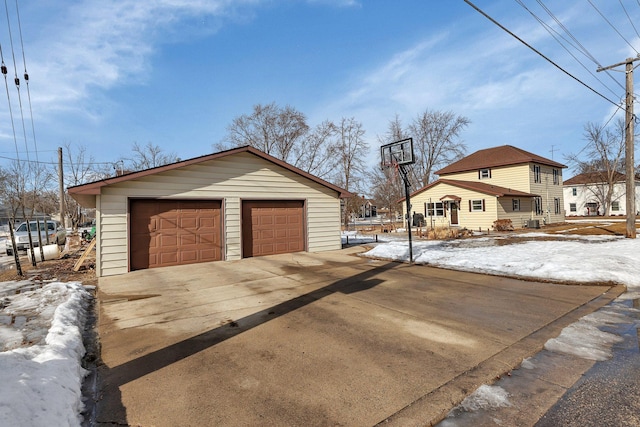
(453,208)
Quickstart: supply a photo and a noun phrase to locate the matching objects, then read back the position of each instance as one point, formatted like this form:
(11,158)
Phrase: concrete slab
(315,339)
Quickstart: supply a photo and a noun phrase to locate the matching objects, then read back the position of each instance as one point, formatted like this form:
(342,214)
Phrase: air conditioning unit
(533,223)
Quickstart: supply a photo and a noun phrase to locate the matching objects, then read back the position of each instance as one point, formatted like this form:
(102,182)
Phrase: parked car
(55,231)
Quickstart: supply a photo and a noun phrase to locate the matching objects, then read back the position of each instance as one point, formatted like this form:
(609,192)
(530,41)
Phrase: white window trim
(475,208)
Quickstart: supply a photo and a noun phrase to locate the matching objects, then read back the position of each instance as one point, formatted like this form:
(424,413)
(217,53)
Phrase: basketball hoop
(396,155)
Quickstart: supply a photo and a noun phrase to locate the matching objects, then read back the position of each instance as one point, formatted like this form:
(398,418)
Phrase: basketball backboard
(397,153)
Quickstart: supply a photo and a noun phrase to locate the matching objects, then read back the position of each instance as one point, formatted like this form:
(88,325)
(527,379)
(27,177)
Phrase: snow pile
(585,259)
(41,377)
(584,337)
(486,397)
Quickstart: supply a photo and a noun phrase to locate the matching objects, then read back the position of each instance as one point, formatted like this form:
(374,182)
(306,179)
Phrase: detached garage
(225,206)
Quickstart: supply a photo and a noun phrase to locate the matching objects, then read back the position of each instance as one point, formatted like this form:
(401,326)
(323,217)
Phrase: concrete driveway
(316,340)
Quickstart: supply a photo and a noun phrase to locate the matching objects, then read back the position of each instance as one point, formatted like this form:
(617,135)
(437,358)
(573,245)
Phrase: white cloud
(109,43)
(477,70)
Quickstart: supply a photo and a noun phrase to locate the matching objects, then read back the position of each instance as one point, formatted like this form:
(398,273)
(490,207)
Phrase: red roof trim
(95,187)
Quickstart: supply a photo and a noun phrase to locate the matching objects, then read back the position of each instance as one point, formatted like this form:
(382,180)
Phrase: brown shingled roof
(480,187)
(593,178)
(498,156)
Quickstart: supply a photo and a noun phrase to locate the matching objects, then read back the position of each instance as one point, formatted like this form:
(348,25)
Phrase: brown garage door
(173,232)
(272,227)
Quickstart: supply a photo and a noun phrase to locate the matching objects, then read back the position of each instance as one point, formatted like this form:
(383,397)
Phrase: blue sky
(176,72)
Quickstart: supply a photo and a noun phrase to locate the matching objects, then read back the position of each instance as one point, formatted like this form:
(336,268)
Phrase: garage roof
(94,188)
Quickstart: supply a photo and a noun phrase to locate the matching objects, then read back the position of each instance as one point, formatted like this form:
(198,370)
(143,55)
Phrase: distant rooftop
(504,155)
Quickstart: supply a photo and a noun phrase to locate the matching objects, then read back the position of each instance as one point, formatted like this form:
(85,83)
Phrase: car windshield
(34,226)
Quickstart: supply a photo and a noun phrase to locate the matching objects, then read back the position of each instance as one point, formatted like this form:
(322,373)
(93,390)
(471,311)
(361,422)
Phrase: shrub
(503,225)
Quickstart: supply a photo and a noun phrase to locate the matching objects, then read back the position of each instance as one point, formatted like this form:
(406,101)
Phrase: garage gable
(239,176)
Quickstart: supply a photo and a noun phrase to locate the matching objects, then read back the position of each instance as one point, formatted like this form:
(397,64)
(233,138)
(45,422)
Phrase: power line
(612,26)
(538,52)
(629,18)
(26,79)
(552,31)
(16,79)
(52,163)
(580,47)
(3,69)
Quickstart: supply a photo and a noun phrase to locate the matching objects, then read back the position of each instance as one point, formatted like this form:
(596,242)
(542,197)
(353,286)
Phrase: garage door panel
(272,227)
(187,239)
(188,257)
(168,258)
(168,232)
(188,223)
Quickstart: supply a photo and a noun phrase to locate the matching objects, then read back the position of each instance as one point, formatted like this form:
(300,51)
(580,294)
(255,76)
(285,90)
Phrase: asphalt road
(609,393)
(605,393)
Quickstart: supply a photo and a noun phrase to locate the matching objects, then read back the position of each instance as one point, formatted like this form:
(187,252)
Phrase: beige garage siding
(230,179)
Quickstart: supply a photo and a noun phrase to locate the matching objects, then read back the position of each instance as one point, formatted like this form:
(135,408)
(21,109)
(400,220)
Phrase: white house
(585,195)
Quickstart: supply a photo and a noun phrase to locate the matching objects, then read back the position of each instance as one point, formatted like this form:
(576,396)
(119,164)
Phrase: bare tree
(437,143)
(386,184)
(602,161)
(351,151)
(387,189)
(148,156)
(80,168)
(317,154)
(269,128)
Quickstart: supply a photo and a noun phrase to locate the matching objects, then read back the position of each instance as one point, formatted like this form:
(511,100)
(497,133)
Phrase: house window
(476,205)
(484,173)
(538,205)
(615,206)
(573,207)
(556,204)
(536,174)
(515,203)
(574,191)
(556,177)
(434,209)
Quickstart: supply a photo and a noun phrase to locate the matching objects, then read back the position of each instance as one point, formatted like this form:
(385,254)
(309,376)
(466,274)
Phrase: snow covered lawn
(574,258)
(40,353)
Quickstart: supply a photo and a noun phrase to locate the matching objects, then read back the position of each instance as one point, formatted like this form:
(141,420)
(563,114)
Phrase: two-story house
(586,194)
(493,184)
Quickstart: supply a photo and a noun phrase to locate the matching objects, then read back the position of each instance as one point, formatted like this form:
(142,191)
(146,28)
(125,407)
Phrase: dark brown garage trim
(174,232)
(272,227)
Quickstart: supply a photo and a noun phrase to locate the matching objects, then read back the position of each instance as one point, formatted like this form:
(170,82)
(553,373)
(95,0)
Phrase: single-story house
(224,206)
(499,183)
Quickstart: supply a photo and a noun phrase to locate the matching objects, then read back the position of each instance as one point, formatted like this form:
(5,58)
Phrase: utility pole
(61,186)
(629,149)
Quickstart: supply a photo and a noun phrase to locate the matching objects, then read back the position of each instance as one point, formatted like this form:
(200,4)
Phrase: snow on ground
(40,353)
(572,258)
(41,326)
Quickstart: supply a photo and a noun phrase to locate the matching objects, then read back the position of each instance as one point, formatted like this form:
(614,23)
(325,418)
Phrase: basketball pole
(405,179)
